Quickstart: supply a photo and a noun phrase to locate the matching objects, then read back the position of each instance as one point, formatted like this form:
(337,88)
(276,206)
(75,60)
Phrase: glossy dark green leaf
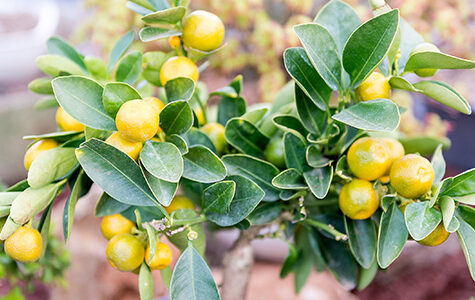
(202,165)
(107,206)
(447,207)
(163,160)
(362,238)
(445,94)
(145,282)
(163,191)
(246,198)
(81,186)
(313,118)
(148,34)
(229,108)
(289,122)
(368,45)
(176,117)
(289,179)
(436,60)
(246,137)
(166,16)
(392,236)
(217,197)
(462,185)
(323,52)
(56,65)
(375,115)
(82,99)
(41,85)
(438,163)
(178,141)
(315,158)
(289,263)
(294,150)
(51,165)
(300,68)
(58,46)
(259,171)
(129,68)
(466,235)
(303,267)
(421,219)
(401,83)
(265,213)
(117,93)
(340,262)
(119,49)
(180,88)
(195,137)
(318,180)
(192,278)
(367,275)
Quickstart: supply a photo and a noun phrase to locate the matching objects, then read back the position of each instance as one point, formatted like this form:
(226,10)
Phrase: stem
(328,228)
(322,203)
(193,221)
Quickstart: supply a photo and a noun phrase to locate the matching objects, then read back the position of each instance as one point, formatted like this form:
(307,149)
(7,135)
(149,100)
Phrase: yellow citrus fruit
(369,158)
(411,176)
(174,41)
(24,245)
(132,149)
(125,252)
(436,237)
(358,199)
(374,87)
(66,122)
(178,66)
(200,115)
(114,225)
(427,72)
(162,257)
(203,31)
(215,132)
(179,202)
(396,150)
(36,149)
(159,105)
(137,120)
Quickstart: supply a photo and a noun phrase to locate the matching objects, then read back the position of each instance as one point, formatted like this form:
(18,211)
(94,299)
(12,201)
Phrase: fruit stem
(328,228)
(192,221)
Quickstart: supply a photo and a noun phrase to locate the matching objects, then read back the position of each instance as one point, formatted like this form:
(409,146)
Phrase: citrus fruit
(374,87)
(436,237)
(200,115)
(274,152)
(132,149)
(159,105)
(178,66)
(125,252)
(203,31)
(358,199)
(179,202)
(369,158)
(137,120)
(114,225)
(411,176)
(396,150)
(24,245)
(66,122)
(426,72)
(174,41)
(36,149)
(162,257)
(215,132)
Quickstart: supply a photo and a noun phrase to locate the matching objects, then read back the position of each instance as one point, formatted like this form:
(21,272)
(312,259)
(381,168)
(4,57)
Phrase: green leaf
(180,239)
(166,275)
(289,263)
(139,8)
(160,4)
(341,169)
(466,235)
(340,262)
(313,118)
(41,85)
(265,213)
(81,186)
(290,179)
(409,40)
(58,46)
(153,61)
(289,122)
(246,197)
(51,165)
(6,198)
(96,66)
(119,49)
(82,99)
(229,108)
(421,219)
(362,238)
(43,228)
(195,137)
(145,282)
(60,137)
(424,145)
(445,94)
(192,278)
(217,197)
(254,116)
(340,19)
(46,103)
(318,180)
(56,65)
(152,240)
(367,275)
(117,93)
(166,16)
(438,163)
(436,60)
(368,45)
(176,117)
(462,185)
(246,137)
(447,206)
(300,68)
(315,158)
(180,88)
(163,160)
(294,150)
(376,115)
(107,206)
(115,172)
(202,165)
(322,51)
(303,268)
(392,236)
(148,34)
(178,141)
(163,191)
(129,68)
(401,83)
(259,171)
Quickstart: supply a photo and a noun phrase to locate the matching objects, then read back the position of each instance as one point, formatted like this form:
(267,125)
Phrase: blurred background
(257,33)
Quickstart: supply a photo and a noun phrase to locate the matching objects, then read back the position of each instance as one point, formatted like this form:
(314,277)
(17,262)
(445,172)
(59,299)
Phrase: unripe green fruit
(426,72)
(274,152)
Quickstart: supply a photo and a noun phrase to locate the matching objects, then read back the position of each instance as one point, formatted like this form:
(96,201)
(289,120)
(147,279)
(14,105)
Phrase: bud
(192,235)
(174,41)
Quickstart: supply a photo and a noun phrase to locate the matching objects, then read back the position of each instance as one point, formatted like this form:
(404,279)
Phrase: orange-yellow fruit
(369,158)
(66,122)
(174,41)
(24,245)
(159,105)
(178,66)
(179,202)
(427,72)
(358,199)
(436,237)
(203,31)
(125,252)
(411,176)
(215,132)
(132,149)
(39,147)
(396,150)
(374,87)
(162,257)
(114,225)
(137,120)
